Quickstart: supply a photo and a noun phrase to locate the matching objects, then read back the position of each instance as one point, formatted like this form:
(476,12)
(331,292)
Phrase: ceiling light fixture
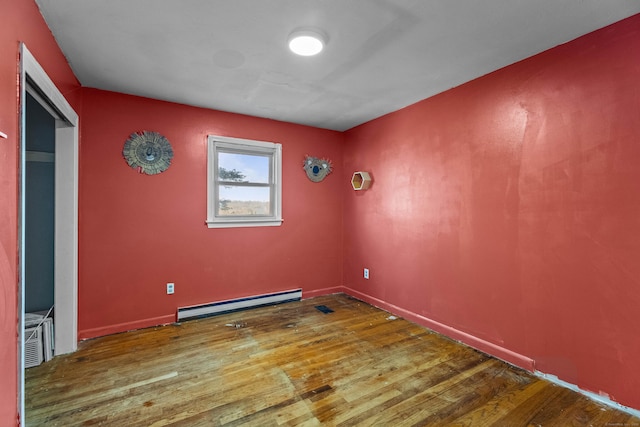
(307,42)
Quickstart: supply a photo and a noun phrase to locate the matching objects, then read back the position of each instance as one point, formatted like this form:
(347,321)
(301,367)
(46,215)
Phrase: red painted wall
(508,209)
(505,210)
(138,232)
(21,21)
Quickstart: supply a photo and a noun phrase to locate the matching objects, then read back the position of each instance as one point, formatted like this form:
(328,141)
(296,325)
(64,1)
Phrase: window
(244,187)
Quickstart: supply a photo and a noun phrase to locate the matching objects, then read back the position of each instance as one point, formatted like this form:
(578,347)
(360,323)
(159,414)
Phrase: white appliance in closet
(38,339)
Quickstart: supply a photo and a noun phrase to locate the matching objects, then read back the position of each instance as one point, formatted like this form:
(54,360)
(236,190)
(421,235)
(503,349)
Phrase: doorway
(35,82)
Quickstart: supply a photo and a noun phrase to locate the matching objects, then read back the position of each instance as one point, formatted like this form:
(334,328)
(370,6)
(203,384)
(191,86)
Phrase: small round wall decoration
(317,169)
(148,152)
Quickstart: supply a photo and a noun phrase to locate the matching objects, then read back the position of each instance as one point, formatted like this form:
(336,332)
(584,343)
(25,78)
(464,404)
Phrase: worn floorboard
(293,365)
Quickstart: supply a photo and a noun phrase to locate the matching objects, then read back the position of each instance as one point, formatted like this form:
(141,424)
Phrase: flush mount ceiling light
(307,42)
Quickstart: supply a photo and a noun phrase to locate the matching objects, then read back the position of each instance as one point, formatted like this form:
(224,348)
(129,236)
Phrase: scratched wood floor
(293,365)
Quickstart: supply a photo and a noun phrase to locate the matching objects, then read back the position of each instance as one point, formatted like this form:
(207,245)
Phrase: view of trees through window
(252,194)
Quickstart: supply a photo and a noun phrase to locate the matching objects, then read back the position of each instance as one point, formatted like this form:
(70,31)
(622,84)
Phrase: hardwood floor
(293,365)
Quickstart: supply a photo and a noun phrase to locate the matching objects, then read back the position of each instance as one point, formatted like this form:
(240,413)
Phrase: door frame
(34,78)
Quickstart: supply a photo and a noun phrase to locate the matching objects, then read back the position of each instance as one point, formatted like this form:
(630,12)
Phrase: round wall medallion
(148,152)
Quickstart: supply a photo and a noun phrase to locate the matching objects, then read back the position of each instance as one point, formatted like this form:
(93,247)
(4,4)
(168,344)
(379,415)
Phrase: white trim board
(34,79)
(44,87)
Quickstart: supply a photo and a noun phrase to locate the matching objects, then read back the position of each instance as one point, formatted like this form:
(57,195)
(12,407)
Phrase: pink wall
(506,212)
(138,232)
(21,21)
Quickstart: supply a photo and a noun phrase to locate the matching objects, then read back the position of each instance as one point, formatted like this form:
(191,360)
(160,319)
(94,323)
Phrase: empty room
(305,212)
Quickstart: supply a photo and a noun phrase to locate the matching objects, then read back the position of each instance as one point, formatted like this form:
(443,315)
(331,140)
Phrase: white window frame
(217,144)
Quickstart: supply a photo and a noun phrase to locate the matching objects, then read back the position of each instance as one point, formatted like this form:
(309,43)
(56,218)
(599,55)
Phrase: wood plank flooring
(293,365)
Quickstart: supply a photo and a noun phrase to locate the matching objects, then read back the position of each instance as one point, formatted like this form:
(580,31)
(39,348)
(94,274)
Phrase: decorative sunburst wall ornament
(148,152)
(317,169)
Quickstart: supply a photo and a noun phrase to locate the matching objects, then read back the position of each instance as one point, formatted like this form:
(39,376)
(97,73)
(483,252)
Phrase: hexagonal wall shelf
(360,180)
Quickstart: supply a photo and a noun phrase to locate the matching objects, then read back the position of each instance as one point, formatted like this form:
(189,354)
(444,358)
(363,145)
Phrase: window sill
(244,223)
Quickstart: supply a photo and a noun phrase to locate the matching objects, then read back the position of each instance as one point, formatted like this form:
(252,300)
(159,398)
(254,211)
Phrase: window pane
(243,167)
(245,188)
(244,201)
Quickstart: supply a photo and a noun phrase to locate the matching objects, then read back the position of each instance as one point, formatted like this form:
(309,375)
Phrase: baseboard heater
(228,306)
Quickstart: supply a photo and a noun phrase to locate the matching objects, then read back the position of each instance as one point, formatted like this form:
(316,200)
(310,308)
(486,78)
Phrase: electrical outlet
(366,273)
(170,288)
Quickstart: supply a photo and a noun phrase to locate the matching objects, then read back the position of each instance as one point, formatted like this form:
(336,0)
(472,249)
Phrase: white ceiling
(382,55)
